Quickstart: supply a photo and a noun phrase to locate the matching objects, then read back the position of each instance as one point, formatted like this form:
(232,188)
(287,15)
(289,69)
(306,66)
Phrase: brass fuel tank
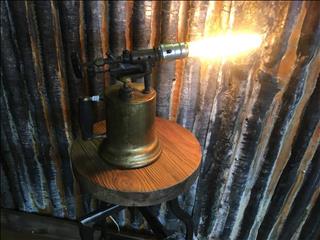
(131,141)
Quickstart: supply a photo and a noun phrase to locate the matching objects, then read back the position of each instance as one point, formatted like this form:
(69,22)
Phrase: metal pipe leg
(153,222)
(183,216)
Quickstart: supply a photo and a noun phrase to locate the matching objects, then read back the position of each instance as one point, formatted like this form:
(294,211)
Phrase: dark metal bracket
(86,223)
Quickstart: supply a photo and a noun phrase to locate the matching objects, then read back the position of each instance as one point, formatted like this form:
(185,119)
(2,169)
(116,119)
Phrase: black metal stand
(89,223)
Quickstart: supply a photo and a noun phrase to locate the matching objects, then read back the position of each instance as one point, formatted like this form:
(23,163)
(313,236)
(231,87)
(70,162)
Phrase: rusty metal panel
(258,121)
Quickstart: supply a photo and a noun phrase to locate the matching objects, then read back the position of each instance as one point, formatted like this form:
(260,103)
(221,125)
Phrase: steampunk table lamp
(136,138)
(130,107)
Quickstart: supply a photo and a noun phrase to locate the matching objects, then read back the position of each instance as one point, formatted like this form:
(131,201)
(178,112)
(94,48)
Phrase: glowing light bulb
(230,45)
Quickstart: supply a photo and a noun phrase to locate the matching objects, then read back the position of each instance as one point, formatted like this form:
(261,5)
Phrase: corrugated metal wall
(258,120)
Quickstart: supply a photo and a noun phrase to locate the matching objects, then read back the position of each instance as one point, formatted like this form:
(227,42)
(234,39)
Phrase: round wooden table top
(170,175)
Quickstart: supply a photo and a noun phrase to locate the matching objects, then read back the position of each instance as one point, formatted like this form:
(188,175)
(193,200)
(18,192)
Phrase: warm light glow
(231,45)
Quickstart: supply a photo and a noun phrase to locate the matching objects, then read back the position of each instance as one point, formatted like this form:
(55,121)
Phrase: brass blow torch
(130,107)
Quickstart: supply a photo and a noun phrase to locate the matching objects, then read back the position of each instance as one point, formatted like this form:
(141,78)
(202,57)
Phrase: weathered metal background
(258,121)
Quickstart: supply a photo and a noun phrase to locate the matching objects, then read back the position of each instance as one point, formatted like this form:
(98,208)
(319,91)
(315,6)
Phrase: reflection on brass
(131,141)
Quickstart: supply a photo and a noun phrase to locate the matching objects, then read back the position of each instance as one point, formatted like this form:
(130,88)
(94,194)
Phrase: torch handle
(86,118)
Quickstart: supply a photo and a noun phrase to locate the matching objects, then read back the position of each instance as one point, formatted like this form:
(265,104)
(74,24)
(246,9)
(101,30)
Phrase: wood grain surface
(173,173)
